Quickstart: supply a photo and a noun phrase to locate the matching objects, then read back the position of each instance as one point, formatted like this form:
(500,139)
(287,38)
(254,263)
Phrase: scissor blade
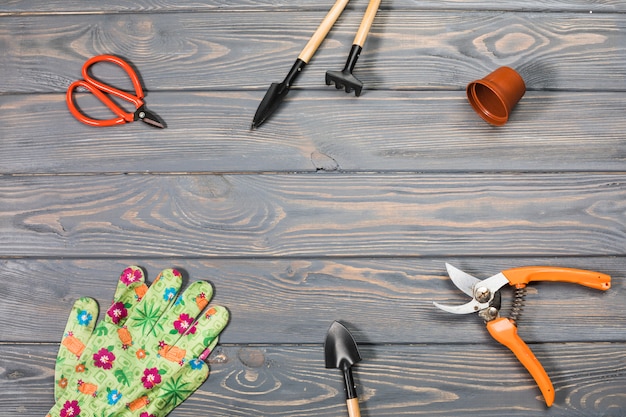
(150,118)
(470,307)
(152,122)
(464,281)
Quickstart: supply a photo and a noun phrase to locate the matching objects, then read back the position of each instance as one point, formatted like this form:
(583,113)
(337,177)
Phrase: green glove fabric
(79,328)
(142,359)
(158,403)
(77,332)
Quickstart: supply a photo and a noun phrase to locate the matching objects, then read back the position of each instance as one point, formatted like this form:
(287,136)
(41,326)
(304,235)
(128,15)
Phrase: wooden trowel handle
(353,407)
(366,23)
(322,31)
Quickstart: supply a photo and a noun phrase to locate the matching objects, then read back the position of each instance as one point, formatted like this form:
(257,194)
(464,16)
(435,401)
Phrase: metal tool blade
(272,99)
(149,118)
(464,281)
(341,351)
(340,348)
(490,286)
(467,308)
(276,94)
(494,283)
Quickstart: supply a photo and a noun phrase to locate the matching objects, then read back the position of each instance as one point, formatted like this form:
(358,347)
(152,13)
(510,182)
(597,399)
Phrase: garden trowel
(342,352)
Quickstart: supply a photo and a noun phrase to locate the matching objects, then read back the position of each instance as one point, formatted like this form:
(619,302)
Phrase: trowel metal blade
(340,348)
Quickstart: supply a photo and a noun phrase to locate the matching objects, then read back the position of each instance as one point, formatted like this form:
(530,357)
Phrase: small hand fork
(344,78)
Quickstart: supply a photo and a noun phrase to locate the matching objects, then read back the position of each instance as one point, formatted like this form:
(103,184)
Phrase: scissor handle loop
(98,89)
(123,117)
(137,99)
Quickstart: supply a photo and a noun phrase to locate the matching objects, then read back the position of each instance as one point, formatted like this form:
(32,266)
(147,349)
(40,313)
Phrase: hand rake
(344,78)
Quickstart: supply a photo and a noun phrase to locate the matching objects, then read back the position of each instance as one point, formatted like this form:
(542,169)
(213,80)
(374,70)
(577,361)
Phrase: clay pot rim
(481,109)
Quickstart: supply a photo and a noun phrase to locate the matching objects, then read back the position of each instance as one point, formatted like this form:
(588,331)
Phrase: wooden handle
(353,407)
(322,31)
(366,23)
(505,332)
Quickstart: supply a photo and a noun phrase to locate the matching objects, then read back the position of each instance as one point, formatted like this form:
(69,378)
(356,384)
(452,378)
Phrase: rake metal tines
(344,78)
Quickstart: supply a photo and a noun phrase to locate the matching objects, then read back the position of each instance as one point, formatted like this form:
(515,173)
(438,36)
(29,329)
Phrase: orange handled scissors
(100,90)
(486,302)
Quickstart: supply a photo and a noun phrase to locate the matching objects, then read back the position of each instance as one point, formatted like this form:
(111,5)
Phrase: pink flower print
(70,409)
(117,312)
(130,275)
(103,359)
(184,324)
(145,414)
(150,378)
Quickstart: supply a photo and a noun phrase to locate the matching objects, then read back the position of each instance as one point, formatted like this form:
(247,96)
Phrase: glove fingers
(180,319)
(78,330)
(209,349)
(147,352)
(171,393)
(131,288)
(131,275)
(144,319)
(176,390)
(208,328)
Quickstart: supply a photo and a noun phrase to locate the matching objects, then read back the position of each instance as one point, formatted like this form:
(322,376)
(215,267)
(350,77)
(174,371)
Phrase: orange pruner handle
(100,90)
(519,277)
(504,331)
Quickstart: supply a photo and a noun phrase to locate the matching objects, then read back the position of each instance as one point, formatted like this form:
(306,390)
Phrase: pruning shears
(486,301)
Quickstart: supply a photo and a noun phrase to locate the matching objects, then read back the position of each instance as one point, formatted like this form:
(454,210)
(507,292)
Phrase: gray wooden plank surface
(319,130)
(313,215)
(392,380)
(143,6)
(244,51)
(386,300)
(338,208)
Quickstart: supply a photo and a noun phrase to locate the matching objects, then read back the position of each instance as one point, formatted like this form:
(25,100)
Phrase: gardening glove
(77,332)
(142,353)
(130,289)
(79,329)
(158,403)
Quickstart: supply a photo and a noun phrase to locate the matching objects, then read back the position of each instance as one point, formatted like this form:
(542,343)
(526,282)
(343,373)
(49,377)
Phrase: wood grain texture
(337,208)
(143,6)
(413,50)
(318,131)
(313,215)
(292,300)
(391,380)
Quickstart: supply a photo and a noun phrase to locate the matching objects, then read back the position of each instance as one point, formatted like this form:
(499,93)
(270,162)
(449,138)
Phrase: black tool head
(149,118)
(344,79)
(276,94)
(340,348)
(272,99)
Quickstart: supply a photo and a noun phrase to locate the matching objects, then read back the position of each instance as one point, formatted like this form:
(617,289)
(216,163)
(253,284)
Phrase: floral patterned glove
(77,332)
(141,360)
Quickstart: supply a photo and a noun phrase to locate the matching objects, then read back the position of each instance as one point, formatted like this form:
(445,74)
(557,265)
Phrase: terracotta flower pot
(494,96)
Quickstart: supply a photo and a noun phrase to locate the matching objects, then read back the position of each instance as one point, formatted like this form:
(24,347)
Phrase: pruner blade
(482,292)
(467,308)
(463,281)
